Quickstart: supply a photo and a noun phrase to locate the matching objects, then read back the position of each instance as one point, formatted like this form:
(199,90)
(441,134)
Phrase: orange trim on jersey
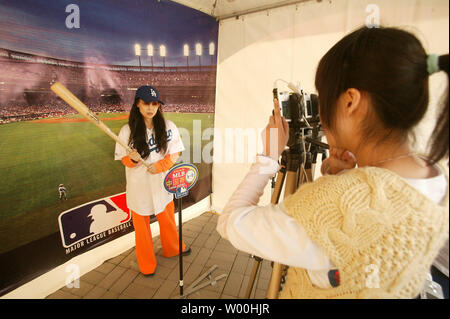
(126,160)
(164,165)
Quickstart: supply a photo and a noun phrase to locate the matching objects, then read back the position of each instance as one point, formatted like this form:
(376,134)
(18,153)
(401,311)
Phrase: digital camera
(298,107)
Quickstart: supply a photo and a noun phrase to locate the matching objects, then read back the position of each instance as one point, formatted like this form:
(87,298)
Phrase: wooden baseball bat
(81,108)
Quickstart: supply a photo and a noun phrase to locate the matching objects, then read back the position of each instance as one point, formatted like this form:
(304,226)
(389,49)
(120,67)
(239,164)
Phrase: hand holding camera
(276,134)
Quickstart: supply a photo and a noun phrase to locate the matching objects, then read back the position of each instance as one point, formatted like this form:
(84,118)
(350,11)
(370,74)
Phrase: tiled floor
(119,277)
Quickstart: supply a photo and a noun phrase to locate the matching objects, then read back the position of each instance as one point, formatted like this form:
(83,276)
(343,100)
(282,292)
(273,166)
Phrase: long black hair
(390,65)
(138,137)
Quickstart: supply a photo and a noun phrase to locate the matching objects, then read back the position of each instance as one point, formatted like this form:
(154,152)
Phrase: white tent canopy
(222,9)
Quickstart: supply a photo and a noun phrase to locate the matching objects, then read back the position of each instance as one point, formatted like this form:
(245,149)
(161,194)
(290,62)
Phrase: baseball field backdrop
(102,51)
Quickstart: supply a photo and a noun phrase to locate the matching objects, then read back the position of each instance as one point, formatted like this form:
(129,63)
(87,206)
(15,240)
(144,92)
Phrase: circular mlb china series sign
(180,179)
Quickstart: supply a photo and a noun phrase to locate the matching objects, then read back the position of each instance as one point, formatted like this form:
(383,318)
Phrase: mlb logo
(181,192)
(93,218)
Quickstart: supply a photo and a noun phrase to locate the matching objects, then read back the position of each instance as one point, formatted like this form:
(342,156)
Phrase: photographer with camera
(372,226)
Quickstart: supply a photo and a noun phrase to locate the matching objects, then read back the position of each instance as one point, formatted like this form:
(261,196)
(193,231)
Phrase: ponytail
(439,138)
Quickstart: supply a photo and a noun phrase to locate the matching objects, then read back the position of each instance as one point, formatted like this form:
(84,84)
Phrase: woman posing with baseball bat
(379,226)
(157,142)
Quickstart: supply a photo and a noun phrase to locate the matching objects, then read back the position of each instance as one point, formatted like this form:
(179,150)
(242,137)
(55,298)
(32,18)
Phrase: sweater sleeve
(267,231)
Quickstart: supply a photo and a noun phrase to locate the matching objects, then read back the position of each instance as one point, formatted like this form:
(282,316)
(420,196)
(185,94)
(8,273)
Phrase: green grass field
(36,157)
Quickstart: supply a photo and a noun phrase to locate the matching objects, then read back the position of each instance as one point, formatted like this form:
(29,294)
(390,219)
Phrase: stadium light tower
(212,49)
(150,52)
(186,54)
(162,53)
(198,52)
(137,51)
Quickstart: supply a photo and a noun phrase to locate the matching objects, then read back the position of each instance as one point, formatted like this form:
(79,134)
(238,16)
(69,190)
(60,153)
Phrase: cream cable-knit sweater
(380,232)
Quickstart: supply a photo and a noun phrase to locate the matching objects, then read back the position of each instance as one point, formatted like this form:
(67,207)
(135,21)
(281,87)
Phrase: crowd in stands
(40,73)
(27,73)
(189,108)
(16,112)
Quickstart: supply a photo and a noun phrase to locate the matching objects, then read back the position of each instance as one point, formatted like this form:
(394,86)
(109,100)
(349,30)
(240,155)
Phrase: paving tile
(266,270)
(203,255)
(193,228)
(212,241)
(189,233)
(93,277)
(193,272)
(167,262)
(226,247)
(150,282)
(240,264)
(188,240)
(126,261)
(223,257)
(138,292)
(162,272)
(208,228)
(112,277)
(95,293)
(127,252)
(132,264)
(250,266)
(83,289)
(60,294)
(124,281)
(116,260)
(204,218)
(243,290)
(227,297)
(166,290)
(105,268)
(192,256)
(110,295)
(200,240)
(262,284)
(196,221)
(233,284)
(260,294)
(204,294)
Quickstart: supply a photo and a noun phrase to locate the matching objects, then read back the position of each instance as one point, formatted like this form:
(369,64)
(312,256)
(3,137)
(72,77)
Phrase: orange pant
(144,243)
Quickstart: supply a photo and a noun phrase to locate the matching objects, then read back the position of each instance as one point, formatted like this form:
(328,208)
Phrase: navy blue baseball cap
(148,94)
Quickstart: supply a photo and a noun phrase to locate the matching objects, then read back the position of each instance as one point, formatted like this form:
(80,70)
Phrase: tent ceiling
(221,9)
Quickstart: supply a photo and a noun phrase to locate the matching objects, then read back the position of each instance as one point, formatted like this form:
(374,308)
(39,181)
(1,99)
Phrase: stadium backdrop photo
(62,193)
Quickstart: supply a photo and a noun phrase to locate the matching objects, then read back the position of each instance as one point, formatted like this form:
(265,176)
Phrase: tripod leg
(251,281)
(275,281)
(290,188)
(275,197)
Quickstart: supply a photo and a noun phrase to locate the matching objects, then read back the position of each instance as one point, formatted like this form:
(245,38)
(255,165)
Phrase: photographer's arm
(267,232)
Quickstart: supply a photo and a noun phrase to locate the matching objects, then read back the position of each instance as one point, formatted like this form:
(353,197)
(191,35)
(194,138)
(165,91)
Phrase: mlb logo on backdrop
(86,224)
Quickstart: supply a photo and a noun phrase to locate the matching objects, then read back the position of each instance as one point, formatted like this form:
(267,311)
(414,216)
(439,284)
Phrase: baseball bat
(81,108)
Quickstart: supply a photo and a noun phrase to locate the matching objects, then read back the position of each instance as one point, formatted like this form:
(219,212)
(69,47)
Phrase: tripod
(297,164)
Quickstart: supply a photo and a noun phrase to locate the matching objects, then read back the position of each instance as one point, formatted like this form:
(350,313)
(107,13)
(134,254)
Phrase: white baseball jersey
(146,194)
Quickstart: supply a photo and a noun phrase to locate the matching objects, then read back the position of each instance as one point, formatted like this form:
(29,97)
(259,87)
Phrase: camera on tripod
(301,111)
(298,107)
